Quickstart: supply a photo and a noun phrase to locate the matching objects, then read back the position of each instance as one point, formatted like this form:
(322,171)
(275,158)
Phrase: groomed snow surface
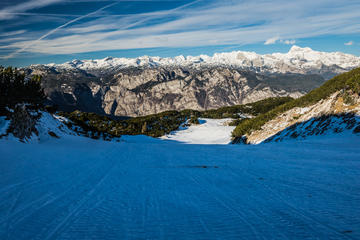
(146,188)
(209,131)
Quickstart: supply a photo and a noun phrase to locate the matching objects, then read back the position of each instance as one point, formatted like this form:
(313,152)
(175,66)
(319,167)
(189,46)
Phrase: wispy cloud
(199,24)
(272,40)
(12,11)
(349,43)
(54,30)
(12,33)
(32,43)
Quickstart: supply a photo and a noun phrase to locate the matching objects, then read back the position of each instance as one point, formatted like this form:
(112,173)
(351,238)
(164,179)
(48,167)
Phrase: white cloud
(349,43)
(289,42)
(272,40)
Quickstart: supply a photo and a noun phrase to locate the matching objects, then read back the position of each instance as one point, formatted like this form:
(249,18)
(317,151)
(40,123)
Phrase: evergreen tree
(14,89)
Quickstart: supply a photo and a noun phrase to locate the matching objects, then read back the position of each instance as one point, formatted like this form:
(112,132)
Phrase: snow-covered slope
(297,60)
(79,188)
(331,115)
(342,124)
(209,131)
(51,126)
(47,127)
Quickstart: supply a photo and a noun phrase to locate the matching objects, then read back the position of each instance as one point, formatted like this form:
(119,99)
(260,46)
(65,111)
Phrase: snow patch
(209,131)
(4,125)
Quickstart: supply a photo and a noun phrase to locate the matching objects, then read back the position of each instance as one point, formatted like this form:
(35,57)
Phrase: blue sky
(44,31)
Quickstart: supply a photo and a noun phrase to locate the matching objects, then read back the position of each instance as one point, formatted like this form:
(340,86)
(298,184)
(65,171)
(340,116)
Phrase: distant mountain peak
(296,60)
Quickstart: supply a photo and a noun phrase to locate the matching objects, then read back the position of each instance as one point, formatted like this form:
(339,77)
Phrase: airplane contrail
(56,29)
(167,13)
(84,16)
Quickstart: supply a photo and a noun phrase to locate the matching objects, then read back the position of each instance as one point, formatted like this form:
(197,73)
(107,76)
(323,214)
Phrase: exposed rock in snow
(344,123)
(23,122)
(29,125)
(326,116)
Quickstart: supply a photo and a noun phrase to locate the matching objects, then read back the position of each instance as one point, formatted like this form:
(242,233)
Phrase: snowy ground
(145,188)
(209,131)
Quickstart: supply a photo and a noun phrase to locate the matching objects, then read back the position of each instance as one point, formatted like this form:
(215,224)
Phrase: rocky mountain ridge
(148,85)
(297,60)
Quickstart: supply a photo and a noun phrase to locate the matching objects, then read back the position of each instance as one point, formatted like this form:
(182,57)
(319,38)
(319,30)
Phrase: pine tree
(14,89)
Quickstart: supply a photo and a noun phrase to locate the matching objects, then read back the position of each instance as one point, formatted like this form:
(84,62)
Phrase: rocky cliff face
(147,85)
(143,91)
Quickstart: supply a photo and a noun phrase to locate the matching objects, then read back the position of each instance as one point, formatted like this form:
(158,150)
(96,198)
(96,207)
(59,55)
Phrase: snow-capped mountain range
(147,85)
(297,60)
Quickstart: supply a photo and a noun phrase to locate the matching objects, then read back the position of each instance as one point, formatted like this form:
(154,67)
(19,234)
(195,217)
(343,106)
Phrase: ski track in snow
(145,188)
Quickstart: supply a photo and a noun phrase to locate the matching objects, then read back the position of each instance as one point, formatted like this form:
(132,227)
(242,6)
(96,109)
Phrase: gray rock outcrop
(143,91)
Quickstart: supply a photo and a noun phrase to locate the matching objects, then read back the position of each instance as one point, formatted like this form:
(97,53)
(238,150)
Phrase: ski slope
(146,188)
(209,131)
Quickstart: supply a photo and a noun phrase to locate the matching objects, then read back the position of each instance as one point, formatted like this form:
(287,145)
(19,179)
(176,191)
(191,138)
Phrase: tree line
(15,89)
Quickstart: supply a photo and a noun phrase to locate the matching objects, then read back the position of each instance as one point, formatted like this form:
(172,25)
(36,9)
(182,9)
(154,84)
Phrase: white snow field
(145,188)
(209,131)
